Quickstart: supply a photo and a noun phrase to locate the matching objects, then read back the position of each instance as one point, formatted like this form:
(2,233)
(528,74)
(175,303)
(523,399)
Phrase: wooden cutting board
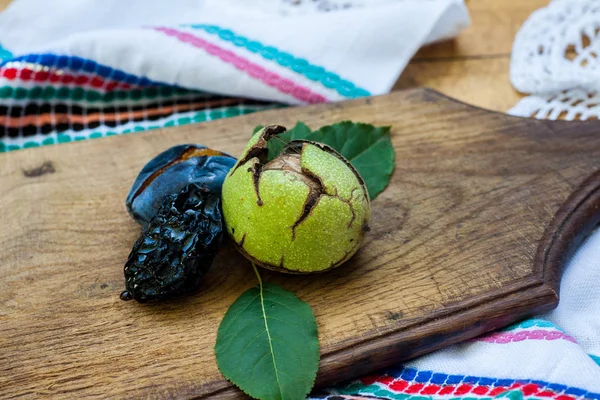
(471,234)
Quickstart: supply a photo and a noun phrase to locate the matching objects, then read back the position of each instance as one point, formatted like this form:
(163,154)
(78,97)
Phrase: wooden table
(474,67)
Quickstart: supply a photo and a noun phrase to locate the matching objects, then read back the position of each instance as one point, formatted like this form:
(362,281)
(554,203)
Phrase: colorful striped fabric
(410,383)
(406,383)
(48,98)
(301,66)
(254,70)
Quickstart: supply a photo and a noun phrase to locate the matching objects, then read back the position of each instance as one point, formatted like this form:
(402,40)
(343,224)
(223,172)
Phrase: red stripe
(399,386)
(386,380)
(26,74)
(530,389)
(481,390)
(463,389)
(564,397)
(414,388)
(369,380)
(430,389)
(497,390)
(446,390)
(402,386)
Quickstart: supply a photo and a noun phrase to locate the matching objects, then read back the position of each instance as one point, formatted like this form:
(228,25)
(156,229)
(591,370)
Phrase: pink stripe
(254,70)
(539,334)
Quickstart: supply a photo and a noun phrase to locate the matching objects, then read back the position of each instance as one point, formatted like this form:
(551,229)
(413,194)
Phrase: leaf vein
(233,335)
(262,303)
(235,317)
(381,138)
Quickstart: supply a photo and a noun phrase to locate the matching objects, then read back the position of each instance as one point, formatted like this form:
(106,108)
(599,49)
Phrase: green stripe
(532,323)
(202,116)
(79,94)
(379,391)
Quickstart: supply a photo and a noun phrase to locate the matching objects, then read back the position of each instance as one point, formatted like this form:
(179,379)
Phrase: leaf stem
(257,275)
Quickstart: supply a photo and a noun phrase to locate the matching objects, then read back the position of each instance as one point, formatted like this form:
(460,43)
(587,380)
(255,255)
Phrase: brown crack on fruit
(290,242)
(349,203)
(311,202)
(259,151)
(241,243)
(290,163)
(257,170)
(282,260)
(296,146)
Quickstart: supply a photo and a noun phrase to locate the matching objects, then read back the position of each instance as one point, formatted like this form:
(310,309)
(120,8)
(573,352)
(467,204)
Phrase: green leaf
(267,344)
(276,144)
(369,148)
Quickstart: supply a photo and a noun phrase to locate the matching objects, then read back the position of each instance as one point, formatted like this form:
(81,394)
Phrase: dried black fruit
(176,250)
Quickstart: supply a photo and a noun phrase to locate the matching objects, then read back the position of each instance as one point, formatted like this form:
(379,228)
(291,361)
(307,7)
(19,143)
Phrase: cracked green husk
(305,211)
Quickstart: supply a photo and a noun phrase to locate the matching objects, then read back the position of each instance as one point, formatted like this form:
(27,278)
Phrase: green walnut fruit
(307,210)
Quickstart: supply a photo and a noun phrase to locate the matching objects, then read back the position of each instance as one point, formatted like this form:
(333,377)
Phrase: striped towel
(88,69)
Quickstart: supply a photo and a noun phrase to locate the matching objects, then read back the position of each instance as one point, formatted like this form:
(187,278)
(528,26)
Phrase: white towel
(288,52)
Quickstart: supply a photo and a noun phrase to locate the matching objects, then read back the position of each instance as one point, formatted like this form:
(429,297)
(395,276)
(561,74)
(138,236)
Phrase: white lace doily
(556,59)
(569,105)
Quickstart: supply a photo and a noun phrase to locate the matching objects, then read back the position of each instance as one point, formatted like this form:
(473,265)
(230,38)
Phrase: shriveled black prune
(177,248)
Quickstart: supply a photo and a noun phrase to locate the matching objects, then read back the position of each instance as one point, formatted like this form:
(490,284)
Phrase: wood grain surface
(453,252)
(474,66)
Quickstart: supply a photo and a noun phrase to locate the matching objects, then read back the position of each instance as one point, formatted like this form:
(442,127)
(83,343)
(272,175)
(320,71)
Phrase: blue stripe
(595,358)
(299,65)
(81,64)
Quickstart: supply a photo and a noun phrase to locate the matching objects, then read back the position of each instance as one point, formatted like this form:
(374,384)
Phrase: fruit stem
(257,274)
